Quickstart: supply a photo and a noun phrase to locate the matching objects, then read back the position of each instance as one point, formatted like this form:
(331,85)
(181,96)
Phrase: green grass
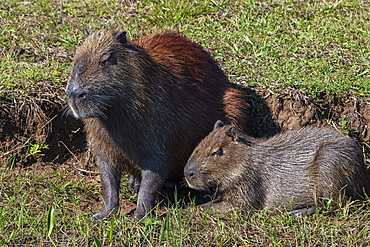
(316,46)
(28,197)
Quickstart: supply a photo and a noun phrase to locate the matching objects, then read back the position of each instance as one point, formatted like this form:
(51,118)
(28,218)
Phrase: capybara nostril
(190,171)
(82,95)
(76,93)
(191,174)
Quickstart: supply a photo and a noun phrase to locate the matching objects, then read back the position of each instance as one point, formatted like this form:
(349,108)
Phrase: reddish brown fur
(171,55)
(168,49)
(146,105)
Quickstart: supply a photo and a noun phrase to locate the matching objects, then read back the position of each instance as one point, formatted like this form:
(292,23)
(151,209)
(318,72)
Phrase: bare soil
(41,120)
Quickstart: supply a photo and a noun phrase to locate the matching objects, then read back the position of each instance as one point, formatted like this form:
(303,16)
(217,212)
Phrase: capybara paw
(142,214)
(303,211)
(104,214)
(98,217)
(139,215)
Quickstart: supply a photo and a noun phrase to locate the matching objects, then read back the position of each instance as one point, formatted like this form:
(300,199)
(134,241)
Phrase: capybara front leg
(110,177)
(151,182)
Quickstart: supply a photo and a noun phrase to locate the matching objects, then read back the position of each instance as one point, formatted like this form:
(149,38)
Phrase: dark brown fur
(145,106)
(293,169)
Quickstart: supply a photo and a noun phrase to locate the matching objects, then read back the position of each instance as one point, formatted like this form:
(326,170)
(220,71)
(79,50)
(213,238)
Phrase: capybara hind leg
(110,178)
(151,182)
(134,183)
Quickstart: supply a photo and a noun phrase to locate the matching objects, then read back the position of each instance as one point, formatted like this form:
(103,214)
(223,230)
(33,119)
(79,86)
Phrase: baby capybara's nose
(190,171)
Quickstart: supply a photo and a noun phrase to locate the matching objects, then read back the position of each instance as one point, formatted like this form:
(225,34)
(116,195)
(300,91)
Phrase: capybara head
(104,58)
(213,162)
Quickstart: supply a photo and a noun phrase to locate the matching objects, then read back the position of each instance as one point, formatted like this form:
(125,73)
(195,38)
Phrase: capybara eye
(218,152)
(103,62)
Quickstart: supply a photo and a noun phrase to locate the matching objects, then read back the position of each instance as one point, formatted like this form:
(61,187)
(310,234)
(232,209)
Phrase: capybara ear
(218,124)
(86,33)
(231,132)
(121,37)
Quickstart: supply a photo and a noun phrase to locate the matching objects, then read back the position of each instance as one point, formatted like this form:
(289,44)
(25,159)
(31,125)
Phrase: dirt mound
(38,125)
(296,109)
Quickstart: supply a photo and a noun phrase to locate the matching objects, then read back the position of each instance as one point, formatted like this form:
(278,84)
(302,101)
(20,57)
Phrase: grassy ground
(316,46)
(26,220)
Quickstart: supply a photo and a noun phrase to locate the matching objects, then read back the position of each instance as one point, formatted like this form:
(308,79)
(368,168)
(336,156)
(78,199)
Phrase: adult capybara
(145,106)
(293,170)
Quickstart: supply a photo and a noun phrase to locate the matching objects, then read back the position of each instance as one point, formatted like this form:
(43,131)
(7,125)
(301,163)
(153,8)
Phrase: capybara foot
(104,214)
(302,211)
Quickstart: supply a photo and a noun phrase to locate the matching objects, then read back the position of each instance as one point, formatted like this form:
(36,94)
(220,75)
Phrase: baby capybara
(292,170)
(145,106)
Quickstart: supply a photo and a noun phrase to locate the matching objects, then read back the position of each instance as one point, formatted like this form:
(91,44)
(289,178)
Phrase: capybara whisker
(65,111)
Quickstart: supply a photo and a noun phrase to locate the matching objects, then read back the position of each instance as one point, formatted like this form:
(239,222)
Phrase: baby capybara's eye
(218,152)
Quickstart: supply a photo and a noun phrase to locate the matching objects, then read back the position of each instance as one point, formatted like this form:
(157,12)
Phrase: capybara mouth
(80,111)
(196,184)
(81,101)
(189,183)
(85,104)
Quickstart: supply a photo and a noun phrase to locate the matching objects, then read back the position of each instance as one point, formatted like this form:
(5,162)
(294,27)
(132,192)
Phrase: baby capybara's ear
(121,37)
(231,133)
(218,124)
(86,33)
